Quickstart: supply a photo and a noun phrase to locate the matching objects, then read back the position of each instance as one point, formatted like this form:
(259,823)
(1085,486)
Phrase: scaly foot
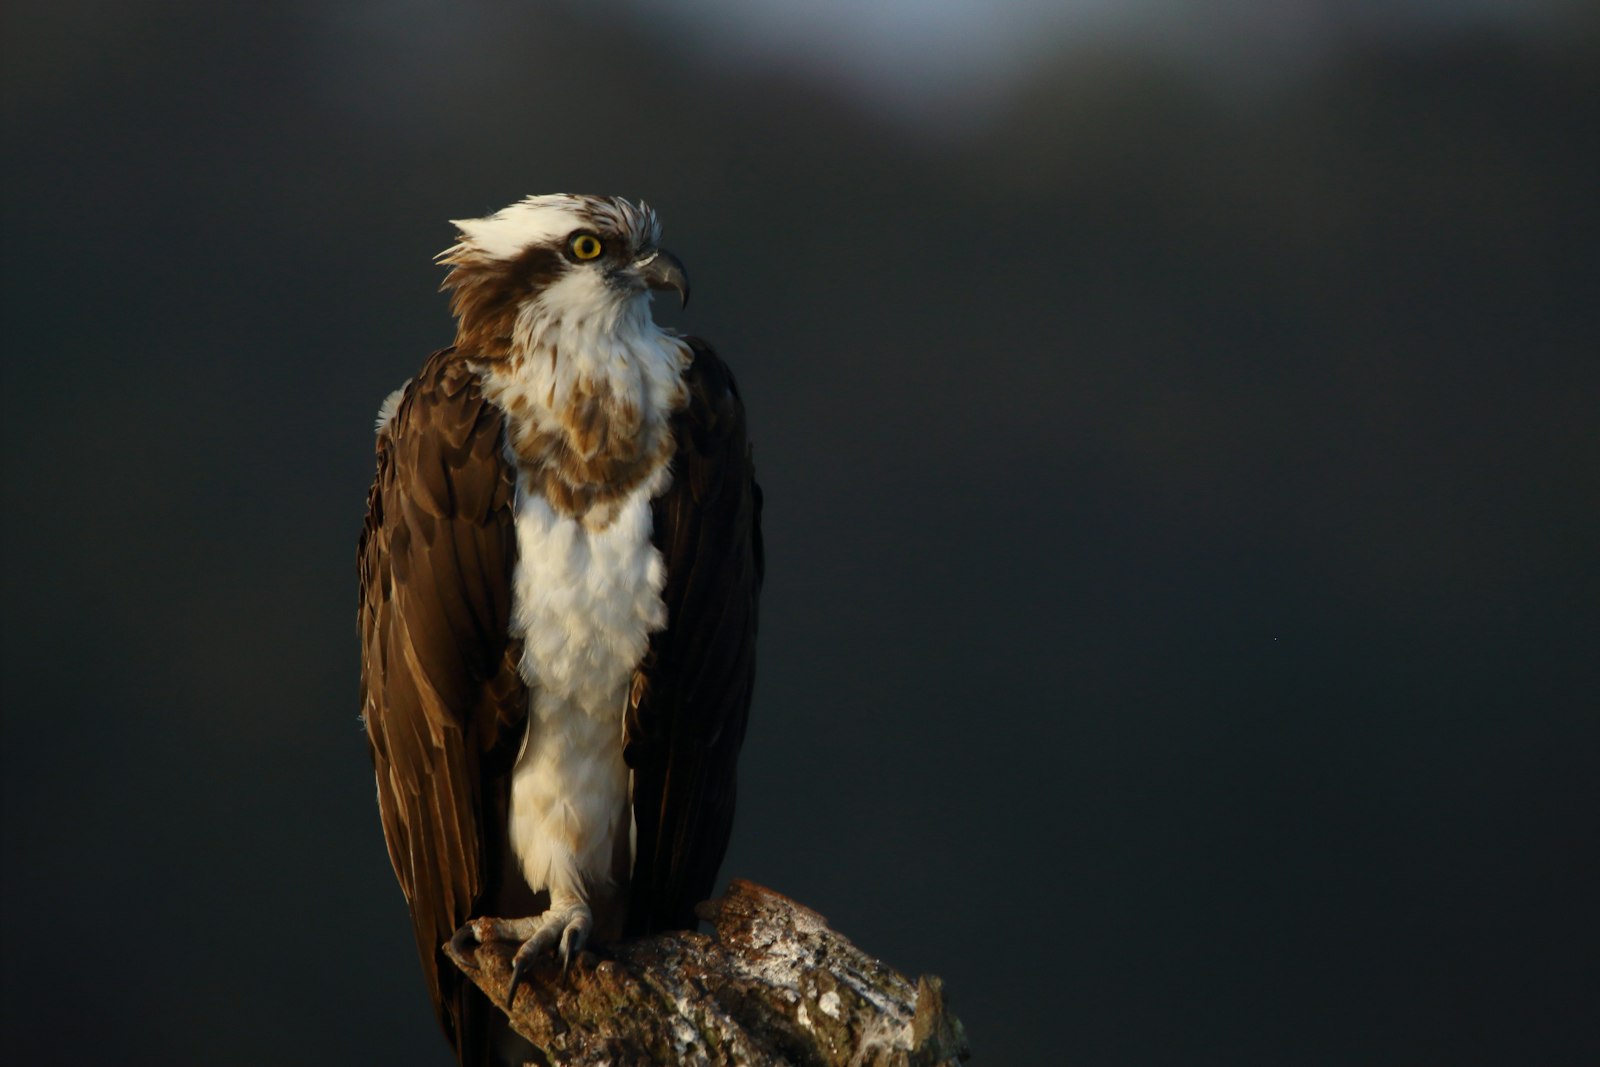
(564,927)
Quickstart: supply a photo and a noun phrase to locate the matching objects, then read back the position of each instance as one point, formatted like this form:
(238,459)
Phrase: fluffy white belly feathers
(584,604)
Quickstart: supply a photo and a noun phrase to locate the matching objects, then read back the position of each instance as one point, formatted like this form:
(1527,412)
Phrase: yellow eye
(586,246)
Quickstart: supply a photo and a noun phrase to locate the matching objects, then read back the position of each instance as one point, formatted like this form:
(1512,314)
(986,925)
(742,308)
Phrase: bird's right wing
(441,697)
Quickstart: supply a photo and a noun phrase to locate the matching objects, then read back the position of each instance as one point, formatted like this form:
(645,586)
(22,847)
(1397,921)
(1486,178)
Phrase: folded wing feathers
(435,560)
(684,735)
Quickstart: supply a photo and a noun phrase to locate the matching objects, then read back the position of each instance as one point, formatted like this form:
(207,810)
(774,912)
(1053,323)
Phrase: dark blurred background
(1180,442)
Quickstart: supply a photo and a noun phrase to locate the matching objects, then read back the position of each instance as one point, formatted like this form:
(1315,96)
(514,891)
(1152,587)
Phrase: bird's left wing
(691,697)
(441,697)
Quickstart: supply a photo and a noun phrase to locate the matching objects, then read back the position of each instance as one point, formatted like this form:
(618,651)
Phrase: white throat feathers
(589,391)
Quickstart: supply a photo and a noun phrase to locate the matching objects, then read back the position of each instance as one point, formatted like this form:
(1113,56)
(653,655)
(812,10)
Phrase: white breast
(585,601)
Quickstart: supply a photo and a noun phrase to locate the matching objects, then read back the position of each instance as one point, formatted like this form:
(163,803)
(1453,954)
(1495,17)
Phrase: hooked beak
(663,270)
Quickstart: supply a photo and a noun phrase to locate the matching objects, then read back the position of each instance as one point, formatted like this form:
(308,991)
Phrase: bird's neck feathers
(589,384)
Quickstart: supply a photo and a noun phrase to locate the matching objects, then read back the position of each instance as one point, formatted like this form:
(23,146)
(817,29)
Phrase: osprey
(559,575)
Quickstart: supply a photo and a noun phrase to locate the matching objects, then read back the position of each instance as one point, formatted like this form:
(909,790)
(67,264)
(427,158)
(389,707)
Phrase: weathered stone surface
(772,985)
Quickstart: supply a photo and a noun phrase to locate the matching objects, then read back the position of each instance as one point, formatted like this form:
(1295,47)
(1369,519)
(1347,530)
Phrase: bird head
(553,259)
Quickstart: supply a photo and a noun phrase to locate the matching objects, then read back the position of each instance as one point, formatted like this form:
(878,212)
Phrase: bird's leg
(564,927)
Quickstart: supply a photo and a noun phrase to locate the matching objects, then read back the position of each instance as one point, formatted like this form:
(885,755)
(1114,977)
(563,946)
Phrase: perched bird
(559,578)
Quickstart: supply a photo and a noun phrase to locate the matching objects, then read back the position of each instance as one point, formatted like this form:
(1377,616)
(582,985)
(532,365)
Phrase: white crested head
(548,220)
(548,265)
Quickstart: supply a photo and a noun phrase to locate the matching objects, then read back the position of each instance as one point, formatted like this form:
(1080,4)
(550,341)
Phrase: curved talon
(519,971)
(464,946)
(522,963)
(572,939)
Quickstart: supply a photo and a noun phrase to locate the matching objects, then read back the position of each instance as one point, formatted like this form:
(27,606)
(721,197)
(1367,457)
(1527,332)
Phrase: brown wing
(692,696)
(443,704)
